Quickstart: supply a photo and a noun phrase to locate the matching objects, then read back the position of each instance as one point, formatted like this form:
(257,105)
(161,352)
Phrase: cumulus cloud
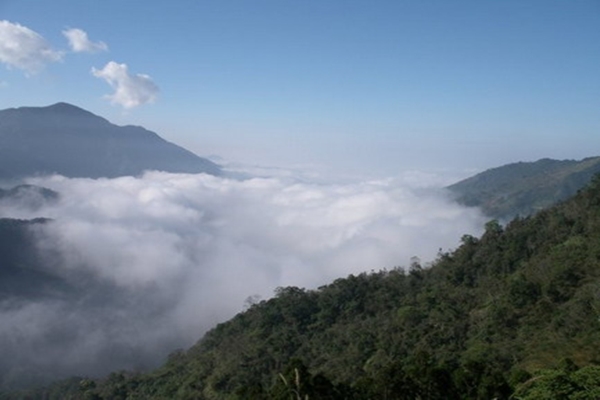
(23,48)
(80,43)
(164,257)
(130,90)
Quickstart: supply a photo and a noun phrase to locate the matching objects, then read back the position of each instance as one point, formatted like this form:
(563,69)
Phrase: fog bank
(157,260)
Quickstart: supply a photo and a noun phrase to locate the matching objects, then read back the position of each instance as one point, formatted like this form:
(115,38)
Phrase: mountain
(28,196)
(526,187)
(70,141)
(511,314)
(21,271)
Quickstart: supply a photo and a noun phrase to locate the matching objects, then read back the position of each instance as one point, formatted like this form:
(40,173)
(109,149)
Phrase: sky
(373,88)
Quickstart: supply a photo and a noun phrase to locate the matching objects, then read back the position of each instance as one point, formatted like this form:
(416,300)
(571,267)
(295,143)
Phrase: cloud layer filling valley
(178,253)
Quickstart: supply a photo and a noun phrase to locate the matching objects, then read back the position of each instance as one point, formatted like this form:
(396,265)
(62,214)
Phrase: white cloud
(130,90)
(22,48)
(267,232)
(80,43)
(183,252)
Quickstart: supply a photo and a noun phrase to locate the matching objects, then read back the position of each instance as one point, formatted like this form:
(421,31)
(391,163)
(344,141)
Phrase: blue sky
(373,87)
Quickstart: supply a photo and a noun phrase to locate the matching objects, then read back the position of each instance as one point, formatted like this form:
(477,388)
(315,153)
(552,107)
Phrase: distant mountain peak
(68,140)
(63,107)
(60,107)
(69,110)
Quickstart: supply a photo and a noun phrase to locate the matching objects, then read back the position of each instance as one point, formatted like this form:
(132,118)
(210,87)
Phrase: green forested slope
(526,187)
(513,313)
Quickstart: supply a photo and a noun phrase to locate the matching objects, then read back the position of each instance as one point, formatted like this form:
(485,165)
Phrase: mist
(150,263)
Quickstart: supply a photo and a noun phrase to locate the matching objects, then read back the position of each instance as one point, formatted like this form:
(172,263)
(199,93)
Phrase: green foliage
(565,382)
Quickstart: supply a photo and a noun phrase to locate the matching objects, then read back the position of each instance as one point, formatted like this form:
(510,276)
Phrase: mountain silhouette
(67,140)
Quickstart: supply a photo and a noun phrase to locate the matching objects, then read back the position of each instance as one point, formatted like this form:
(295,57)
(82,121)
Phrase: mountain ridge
(68,140)
(524,188)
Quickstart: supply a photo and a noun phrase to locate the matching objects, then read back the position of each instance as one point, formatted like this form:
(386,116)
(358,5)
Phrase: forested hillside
(526,187)
(512,314)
